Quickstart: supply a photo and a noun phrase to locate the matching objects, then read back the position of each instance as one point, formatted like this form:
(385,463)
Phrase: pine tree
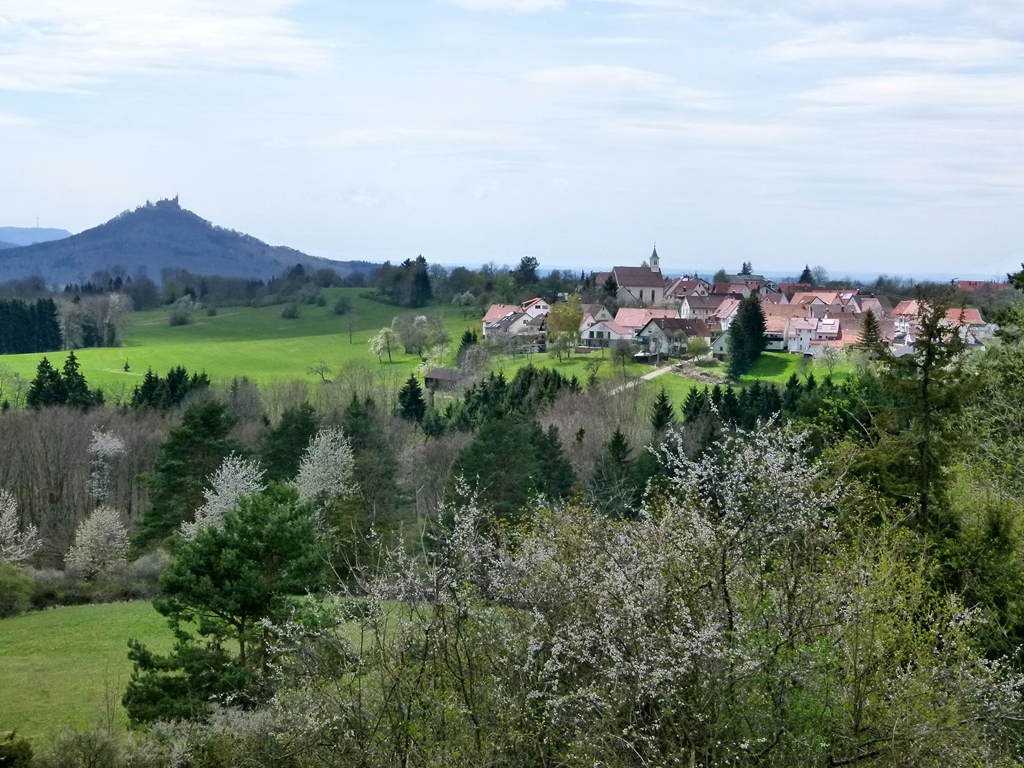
(871,336)
(662,416)
(746,337)
(47,387)
(610,485)
(193,451)
(75,386)
(806,276)
(411,405)
(284,445)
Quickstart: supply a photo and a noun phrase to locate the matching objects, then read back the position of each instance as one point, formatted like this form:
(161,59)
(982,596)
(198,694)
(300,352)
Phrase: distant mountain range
(152,238)
(12,237)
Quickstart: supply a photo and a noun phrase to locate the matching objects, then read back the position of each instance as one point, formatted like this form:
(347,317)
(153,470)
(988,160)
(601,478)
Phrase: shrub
(15,753)
(15,593)
(180,316)
(51,588)
(290,311)
(211,311)
(342,306)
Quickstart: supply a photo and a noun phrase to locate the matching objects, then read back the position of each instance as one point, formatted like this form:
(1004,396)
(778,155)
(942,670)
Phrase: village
(658,317)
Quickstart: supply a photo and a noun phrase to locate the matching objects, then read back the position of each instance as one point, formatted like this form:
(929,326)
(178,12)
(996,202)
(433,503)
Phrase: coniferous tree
(75,386)
(662,416)
(47,387)
(611,486)
(284,445)
(871,336)
(411,405)
(746,336)
(806,276)
(193,451)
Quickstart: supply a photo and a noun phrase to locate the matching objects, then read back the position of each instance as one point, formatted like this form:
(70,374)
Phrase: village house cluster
(660,315)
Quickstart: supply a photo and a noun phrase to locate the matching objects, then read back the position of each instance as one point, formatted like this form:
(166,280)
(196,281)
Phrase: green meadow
(255,342)
(67,667)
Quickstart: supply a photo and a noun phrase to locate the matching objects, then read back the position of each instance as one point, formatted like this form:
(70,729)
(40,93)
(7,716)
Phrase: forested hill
(4,245)
(155,237)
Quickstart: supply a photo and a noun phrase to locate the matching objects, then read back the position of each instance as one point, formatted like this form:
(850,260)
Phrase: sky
(867,136)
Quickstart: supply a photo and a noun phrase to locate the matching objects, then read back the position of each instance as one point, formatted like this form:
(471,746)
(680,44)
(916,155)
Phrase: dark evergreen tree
(284,445)
(411,405)
(747,268)
(746,337)
(75,385)
(662,415)
(806,276)
(525,272)
(47,387)
(870,339)
(611,485)
(192,452)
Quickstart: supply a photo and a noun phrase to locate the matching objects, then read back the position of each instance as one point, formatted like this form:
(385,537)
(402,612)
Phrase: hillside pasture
(252,342)
(67,667)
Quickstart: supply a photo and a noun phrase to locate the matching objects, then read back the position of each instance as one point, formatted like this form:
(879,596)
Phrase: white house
(592,314)
(603,333)
(800,334)
(669,335)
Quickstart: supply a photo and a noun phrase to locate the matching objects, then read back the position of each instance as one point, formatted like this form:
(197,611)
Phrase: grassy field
(244,341)
(56,665)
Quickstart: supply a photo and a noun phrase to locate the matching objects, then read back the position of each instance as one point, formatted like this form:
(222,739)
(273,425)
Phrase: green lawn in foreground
(246,341)
(56,664)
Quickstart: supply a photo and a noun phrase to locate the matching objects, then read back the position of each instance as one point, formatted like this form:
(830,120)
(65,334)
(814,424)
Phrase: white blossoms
(101,543)
(16,546)
(327,468)
(235,479)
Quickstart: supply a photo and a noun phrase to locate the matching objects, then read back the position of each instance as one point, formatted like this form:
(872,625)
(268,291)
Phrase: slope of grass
(57,667)
(245,341)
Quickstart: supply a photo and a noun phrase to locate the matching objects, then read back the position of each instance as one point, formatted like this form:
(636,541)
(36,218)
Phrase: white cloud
(710,132)
(53,45)
(13,120)
(941,91)
(591,75)
(518,6)
(599,77)
(840,44)
(355,137)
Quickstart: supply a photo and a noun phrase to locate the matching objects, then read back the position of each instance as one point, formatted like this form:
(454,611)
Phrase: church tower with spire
(655,261)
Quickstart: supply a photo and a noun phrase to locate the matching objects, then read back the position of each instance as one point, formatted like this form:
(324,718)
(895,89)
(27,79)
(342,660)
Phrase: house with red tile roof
(636,318)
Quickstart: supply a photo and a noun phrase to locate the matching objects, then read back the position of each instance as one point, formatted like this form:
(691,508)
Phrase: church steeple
(654,259)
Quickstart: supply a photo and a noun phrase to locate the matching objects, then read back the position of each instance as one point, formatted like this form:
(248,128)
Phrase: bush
(320,300)
(290,311)
(211,311)
(139,580)
(84,749)
(15,593)
(15,753)
(180,316)
(52,588)
(342,306)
